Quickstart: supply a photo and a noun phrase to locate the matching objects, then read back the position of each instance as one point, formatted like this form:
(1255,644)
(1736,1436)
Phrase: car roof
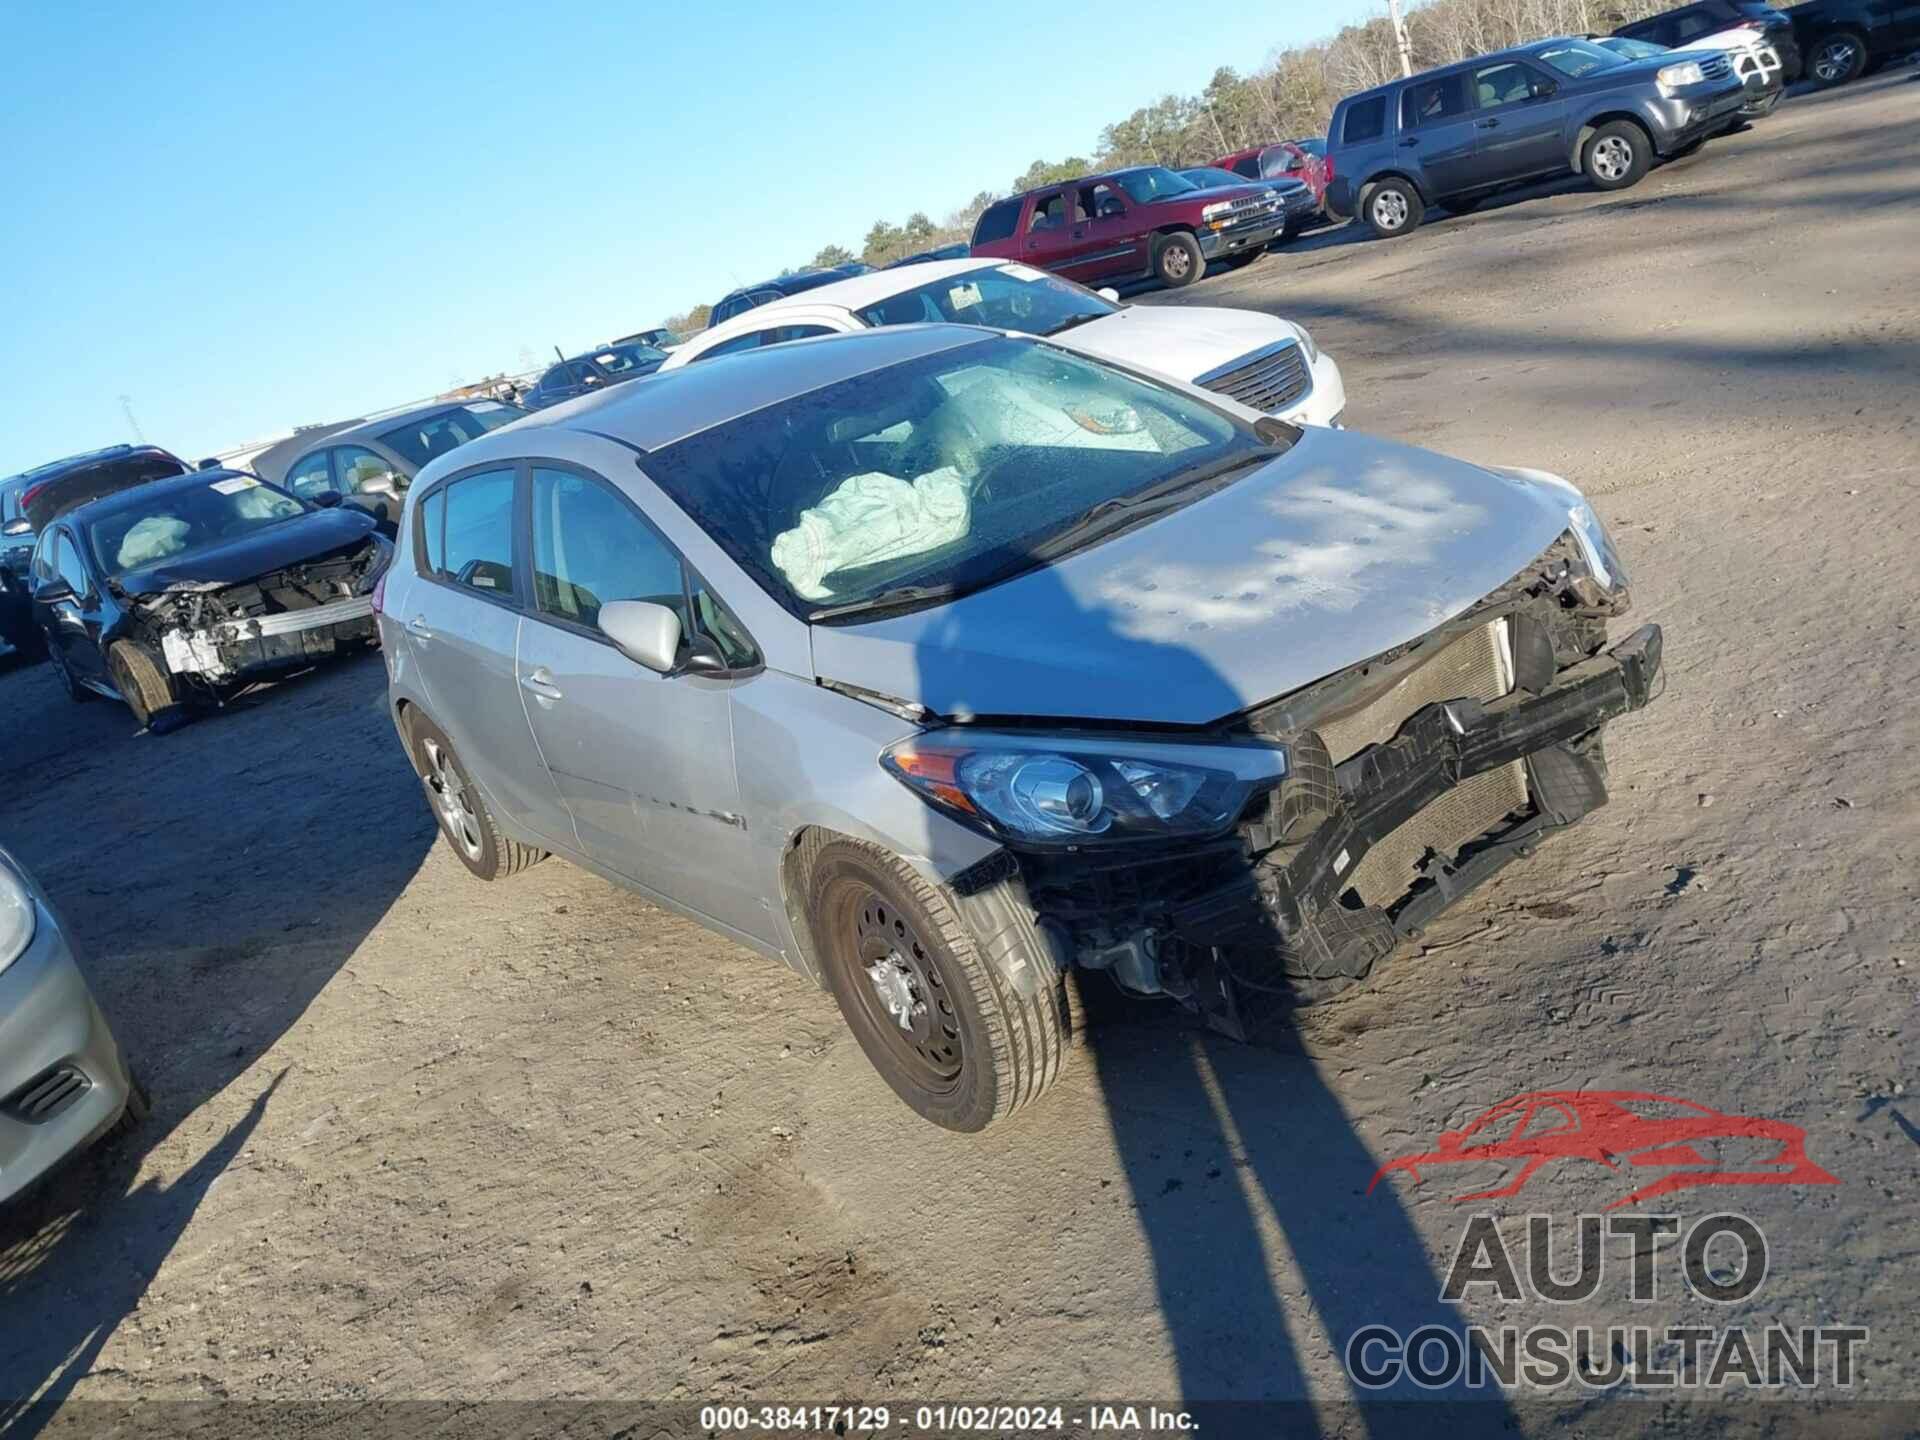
(374,428)
(55,468)
(93,509)
(660,409)
(871,288)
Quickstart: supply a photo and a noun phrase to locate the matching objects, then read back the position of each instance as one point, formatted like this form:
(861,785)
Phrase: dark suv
(1456,134)
(1707,18)
(738,302)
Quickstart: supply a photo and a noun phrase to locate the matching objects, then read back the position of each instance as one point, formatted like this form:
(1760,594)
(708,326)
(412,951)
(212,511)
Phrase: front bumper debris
(221,652)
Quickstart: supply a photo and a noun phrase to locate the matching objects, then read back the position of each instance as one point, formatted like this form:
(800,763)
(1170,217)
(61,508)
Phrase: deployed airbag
(870,518)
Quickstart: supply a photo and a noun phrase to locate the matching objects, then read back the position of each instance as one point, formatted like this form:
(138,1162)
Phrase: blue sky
(244,218)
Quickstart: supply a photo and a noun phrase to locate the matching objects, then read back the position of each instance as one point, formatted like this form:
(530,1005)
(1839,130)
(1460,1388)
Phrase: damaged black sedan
(184,590)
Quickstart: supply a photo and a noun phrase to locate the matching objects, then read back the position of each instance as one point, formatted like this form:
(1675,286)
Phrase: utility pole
(1400,37)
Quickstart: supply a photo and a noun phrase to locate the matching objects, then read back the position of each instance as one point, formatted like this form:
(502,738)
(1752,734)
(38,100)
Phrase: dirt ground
(420,1137)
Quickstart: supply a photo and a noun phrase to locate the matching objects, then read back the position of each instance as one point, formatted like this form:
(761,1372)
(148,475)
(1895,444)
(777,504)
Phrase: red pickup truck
(1130,224)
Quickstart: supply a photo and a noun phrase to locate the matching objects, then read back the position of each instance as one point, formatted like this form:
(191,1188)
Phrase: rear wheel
(462,810)
(1177,260)
(1617,155)
(956,1001)
(143,682)
(1837,58)
(1393,208)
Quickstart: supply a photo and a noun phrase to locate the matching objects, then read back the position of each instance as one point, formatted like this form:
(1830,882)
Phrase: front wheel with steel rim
(1837,59)
(1617,155)
(1177,260)
(1393,208)
(956,1001)
(461,809)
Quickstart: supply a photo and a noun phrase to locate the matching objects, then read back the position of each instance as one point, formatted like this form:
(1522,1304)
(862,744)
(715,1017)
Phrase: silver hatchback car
(950,667)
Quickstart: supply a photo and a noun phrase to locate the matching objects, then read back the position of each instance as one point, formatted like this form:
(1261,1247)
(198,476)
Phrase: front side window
(1280,160)
(432,436)
(997,221)
(311,476)
(361,469)
(1577,58)
(1499,85)
(629,359)
(66,564)
(1366,120)
(752,340)
(478,544)
(1429,102)
(590,548)
(152,525)
(1000,297)
(560,377)
(1155,182)
(945,471)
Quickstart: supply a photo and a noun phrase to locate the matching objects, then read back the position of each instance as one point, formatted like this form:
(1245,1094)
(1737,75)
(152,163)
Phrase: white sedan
(1269,364)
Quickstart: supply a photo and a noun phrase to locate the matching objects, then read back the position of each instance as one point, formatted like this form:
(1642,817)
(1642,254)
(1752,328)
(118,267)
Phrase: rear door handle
(419,629)
(540,682)
(1411,140)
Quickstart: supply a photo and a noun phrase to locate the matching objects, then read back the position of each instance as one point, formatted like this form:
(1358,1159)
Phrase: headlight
(1306,341)
(1052,790)
(1597,546)
(16,916)
(1219,207)
(1672,77)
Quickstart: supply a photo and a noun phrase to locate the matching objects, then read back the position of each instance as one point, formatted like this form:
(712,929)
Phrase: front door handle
(1489,124)
(419,629)
(1411,140)
(540,682)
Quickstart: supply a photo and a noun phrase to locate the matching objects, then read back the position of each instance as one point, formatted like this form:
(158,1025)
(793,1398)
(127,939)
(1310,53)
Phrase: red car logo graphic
(1623,1127)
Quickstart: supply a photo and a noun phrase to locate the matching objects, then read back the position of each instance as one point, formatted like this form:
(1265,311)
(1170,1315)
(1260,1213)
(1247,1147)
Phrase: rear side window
(479,534)
(996,222)
(1366,120)
(1429,102)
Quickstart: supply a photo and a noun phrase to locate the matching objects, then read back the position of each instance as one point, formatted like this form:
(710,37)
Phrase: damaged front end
(1367,802)
(217,633)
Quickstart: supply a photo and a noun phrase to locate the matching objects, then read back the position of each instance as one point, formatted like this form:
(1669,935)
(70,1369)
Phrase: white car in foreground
(1269,364)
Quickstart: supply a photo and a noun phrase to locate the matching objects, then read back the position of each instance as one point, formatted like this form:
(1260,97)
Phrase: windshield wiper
(899,597)
(1119,512)
(1070,322)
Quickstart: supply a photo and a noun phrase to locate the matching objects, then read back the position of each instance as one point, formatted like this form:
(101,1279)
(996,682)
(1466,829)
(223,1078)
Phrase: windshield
(431,436)
(1208,178)
(1576,58)
(1153,182)
(154,526)
(1002,297)
(629,359)
(1632,49)
(945,471)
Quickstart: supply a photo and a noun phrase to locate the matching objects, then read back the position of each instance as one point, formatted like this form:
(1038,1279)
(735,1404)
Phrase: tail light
(26,496)
(1326,169)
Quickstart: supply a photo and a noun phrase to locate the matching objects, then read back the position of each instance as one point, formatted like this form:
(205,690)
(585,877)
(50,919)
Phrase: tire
(461,810)
(1836,57)
(143,682)
(76,692)
(1177,260)
(139,1106)
(1616,156)
(1392,208)
(989,1018)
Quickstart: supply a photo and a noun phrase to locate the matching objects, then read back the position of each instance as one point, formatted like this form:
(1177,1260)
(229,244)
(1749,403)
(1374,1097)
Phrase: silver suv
(949,667)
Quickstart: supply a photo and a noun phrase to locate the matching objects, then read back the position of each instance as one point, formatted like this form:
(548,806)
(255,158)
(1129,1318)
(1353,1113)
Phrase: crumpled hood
(1180,341)
(311,537)
(1342,548)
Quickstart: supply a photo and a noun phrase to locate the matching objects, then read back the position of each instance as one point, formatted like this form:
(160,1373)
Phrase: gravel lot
(420,1137)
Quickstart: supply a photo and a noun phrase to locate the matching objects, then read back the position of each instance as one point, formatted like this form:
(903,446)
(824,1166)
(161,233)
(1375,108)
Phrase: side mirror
(645,633)
(52,592)
(1108,294)
(1543,88)
(210,464)
(22,526)
(328,499)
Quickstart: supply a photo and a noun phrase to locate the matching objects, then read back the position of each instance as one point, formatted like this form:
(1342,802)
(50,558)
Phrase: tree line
(1290,96)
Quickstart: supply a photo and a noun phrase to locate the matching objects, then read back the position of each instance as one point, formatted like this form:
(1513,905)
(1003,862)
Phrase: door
(462,621)
(1437,127)
(73,624)
(1046,239)
(372,483)
(1101,239)
(1521,122)
(644,761)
